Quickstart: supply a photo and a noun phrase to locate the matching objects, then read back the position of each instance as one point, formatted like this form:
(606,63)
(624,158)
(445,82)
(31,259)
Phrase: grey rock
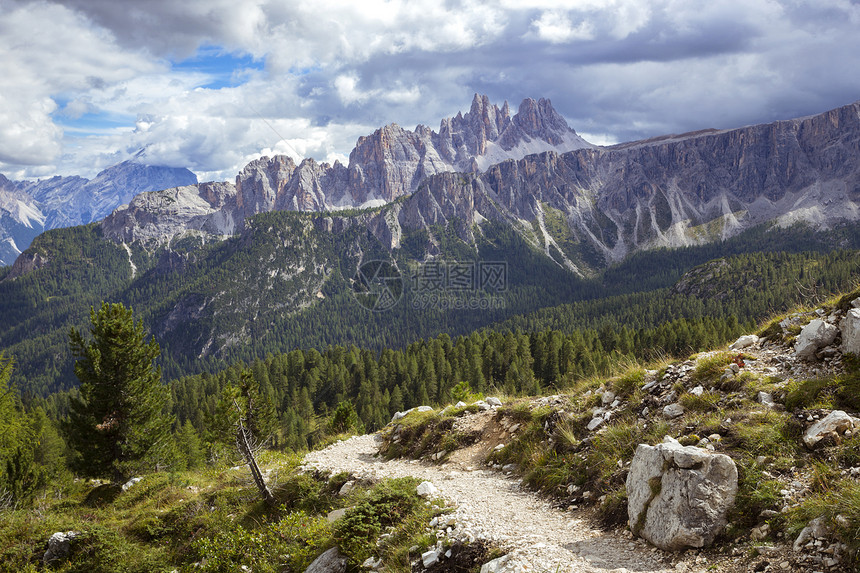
(834,426)
(850,328)
(744,342)
(817,334)
(493,401)
(331,561)
(336,514)
(430,558)
(673,411)
(59,545)
(815,529)
(608,397)
(679,496)
(131,483)
(346,488)
(766,399)
(496,565)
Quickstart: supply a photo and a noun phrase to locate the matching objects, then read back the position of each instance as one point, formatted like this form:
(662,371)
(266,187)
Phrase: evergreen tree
(117,426)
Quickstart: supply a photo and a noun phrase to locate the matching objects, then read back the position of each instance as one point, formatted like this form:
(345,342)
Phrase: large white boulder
(850,328)
(817,334)
(834,426)
(679,496)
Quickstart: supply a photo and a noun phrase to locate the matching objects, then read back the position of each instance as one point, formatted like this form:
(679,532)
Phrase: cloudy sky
(212,84)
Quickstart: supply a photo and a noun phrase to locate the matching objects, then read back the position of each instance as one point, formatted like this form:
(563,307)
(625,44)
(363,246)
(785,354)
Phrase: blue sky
(212,84)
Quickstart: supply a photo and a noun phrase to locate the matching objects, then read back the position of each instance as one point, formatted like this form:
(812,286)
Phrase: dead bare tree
(245,443)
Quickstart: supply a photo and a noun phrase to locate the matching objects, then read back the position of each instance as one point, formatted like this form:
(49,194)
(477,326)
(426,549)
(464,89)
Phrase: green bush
(392,504)
(290,543)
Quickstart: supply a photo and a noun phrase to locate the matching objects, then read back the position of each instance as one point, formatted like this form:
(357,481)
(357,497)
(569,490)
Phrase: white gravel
(493,507)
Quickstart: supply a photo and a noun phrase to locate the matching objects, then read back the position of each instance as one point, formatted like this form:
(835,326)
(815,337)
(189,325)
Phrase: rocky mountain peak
(540,120)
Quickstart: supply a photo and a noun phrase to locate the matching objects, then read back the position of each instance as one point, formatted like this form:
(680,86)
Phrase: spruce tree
(117,426)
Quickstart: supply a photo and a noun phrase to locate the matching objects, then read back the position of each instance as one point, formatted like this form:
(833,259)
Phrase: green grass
(214,518)
(711,368)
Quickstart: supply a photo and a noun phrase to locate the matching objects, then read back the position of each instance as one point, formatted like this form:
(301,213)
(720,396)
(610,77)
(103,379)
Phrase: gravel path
(493,507)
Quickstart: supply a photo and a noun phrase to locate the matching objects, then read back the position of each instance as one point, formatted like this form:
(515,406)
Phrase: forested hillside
(288,282)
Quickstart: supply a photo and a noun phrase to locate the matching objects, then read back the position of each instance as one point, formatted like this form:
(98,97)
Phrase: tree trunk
(244,445)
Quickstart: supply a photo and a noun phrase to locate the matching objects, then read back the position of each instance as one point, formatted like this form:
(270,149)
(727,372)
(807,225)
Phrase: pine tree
(117,426)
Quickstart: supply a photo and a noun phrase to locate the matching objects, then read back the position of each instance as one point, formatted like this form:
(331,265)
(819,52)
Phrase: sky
(213,84)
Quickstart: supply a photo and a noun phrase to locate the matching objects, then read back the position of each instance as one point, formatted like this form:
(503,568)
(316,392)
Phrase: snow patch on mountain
(495,153)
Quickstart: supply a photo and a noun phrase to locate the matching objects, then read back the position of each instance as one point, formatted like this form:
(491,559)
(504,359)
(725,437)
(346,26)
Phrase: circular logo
(377,285)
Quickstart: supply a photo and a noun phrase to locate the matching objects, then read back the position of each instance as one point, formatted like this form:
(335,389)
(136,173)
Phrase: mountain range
(233,270)
(29,207)
(583,206)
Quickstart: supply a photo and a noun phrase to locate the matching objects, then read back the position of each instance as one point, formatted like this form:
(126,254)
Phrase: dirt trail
(492,506)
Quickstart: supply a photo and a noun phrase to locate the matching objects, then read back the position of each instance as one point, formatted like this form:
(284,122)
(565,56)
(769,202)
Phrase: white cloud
(337,69)
(557,28)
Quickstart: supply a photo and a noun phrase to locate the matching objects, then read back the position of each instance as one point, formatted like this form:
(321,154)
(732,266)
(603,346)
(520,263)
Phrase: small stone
(430,558)
(331,561)
(59,545)
(493,401)
(697,391)
(673,411)
(833,425)
(496,565)
(131,483)
(744,342)
(333,516)
(426,489)
(766,399)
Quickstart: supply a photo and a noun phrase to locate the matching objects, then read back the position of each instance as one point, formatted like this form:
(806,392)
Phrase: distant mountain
(29,207)
(389,164)
(584,208)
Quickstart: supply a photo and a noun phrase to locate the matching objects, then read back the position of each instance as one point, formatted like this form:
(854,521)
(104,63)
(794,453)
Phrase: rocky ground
(491,503)
(493,506)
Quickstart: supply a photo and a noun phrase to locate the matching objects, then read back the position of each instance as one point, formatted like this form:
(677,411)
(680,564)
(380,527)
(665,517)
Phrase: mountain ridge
(29,207)
(674,190)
